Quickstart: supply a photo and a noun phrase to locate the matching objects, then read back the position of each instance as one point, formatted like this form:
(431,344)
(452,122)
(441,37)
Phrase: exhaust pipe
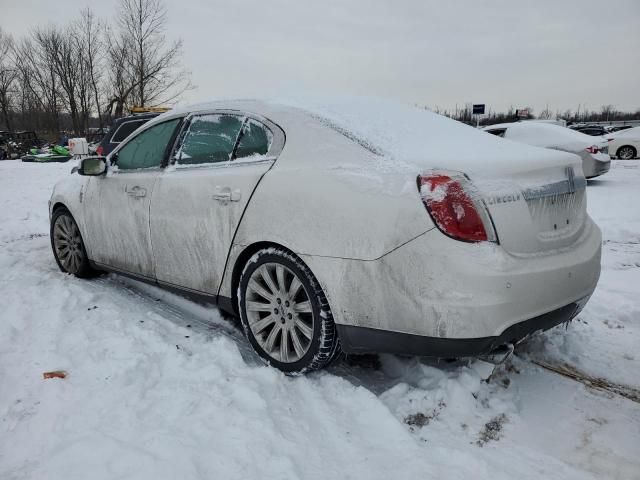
(498,355)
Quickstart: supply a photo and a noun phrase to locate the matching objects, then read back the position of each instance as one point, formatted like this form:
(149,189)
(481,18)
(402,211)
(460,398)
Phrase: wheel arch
(626,146)
(239,264)
(58,206)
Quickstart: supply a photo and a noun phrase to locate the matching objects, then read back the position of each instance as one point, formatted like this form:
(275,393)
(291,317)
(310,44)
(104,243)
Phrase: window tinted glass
(147,149)
(255,140)
(125,129)
(210,139)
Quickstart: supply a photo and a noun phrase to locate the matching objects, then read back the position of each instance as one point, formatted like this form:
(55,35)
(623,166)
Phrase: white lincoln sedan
(340,226)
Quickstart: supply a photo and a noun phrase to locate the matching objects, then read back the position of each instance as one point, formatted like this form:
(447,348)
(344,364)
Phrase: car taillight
(592,149)
(99,150)
(455,208)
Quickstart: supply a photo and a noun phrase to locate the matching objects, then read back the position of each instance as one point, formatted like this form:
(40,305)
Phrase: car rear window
(125,129)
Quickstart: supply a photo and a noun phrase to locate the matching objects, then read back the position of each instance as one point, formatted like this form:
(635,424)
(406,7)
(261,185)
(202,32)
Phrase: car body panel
(196,261)
(434,287)
(116,216)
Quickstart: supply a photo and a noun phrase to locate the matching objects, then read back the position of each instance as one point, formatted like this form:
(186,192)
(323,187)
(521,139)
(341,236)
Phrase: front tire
(626,152)
(285,314)
(68,246)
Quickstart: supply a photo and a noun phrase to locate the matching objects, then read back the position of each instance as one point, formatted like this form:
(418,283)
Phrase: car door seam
(233,238)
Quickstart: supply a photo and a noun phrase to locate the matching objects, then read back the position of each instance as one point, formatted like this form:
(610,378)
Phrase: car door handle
(226,195)
(136,191)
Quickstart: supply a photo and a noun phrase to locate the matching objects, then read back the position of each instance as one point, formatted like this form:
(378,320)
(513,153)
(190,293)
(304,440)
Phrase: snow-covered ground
(161,388)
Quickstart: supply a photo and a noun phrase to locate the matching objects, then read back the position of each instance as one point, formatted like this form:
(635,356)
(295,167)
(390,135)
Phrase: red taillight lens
(592,149)
(453,209)
(99,150)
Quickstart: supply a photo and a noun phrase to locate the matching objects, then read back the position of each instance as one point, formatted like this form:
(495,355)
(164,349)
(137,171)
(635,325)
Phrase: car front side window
(210,139)
(148,148)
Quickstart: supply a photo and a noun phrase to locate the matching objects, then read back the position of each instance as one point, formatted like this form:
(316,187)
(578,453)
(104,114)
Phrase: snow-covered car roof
(402,137)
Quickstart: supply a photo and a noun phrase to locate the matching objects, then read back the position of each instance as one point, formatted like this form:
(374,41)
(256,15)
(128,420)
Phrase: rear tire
(285,314)
(68,246)
(626,152)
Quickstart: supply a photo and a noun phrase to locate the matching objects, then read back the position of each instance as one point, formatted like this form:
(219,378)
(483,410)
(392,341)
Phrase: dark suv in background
(121,129)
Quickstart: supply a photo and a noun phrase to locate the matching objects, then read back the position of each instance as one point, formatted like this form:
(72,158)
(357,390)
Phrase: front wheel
(68,247)
(285,314)
(626,153)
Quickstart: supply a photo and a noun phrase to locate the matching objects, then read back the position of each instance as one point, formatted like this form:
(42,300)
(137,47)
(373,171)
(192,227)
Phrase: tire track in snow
(591,382)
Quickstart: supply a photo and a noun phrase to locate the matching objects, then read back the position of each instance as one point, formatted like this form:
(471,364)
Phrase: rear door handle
(136,191)
(226,195)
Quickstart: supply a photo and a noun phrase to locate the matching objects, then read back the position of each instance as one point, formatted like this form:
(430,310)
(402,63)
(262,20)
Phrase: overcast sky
(563,53)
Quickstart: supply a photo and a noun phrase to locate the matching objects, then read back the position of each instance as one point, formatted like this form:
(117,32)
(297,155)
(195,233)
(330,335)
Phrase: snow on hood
(548,135)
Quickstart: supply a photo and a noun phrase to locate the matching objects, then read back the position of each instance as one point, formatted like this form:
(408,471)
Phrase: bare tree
(545,114)
(90,46)
(8,75)
(120,78)
(154,62)
(39,89)
(60,50)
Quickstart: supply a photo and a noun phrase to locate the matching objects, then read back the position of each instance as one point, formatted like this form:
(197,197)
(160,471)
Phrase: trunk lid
(538,211)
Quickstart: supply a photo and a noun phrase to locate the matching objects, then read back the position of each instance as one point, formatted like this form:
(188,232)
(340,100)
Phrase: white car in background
(624,144)
(594,151)
(347,225)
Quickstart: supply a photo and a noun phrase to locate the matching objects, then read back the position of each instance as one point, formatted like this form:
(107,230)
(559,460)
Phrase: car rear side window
(125,129)
(255,140)
(148,148)
(209,139)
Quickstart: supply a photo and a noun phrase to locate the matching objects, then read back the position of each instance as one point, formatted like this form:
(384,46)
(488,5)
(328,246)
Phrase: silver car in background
(594,151)
(340,226)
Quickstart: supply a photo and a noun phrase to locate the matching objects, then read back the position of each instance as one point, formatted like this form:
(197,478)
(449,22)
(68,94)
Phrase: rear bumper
(439,288)
(596,165)
(360,340)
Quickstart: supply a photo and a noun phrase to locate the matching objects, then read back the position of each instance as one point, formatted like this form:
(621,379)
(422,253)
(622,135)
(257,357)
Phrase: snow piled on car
(412,138)
(158,387)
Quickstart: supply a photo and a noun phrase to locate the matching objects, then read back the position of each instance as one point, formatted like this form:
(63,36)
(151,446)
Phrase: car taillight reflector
(592,149)
(454,210)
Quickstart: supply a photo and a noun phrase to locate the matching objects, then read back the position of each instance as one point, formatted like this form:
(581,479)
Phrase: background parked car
(121,129)
(593,130)
(624,144)
(593,152)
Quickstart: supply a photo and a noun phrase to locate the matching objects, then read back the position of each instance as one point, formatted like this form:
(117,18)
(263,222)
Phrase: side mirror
(92,166)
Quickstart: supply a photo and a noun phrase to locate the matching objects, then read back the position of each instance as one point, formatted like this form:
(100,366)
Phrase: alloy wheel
(279,312)
(626,153)
(68,244)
